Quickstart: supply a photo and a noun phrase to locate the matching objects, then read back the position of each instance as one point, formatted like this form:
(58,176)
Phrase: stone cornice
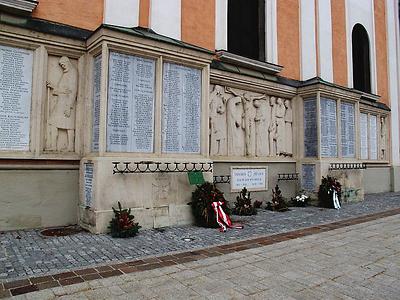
(24,6)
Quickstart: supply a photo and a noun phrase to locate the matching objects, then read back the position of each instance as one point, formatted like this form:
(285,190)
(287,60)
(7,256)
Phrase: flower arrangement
(201,204)
(243,206)
(278,203)
(330,192)
(123,225)
(300,200)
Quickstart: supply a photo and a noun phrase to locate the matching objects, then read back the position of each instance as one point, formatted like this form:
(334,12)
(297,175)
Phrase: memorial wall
(131,98)
(181,109)
(15,98)
(132,104)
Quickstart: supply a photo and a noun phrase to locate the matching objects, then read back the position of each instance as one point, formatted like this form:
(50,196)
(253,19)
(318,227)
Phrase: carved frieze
(244,123)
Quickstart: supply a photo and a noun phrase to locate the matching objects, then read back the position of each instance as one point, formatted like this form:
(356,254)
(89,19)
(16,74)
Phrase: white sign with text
(253,178)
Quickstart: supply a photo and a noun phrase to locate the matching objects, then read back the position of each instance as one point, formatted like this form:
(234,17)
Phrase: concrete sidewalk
(355,262)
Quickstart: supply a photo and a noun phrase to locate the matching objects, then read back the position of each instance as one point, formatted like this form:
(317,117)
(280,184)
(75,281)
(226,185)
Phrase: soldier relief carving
(244,123)
(61,106)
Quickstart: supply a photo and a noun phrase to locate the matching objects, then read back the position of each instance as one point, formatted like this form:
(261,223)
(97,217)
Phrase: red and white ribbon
(223,219)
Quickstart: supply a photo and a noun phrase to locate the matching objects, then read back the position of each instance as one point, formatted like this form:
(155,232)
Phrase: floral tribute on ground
(123,225)
(330,192)
(278,202)
(301,200)
(210,209)
(243,206)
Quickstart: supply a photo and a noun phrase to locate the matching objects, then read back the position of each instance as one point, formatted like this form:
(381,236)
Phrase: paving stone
(34,255)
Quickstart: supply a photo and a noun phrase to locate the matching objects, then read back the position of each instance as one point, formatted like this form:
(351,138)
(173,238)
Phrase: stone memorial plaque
(131,97)
(15,98)
(310,128)
(181,109)
(364,135)
(328,128)
(253,178)
(88,181)
(96,103)
(347,116)
(373,140)
(308,177)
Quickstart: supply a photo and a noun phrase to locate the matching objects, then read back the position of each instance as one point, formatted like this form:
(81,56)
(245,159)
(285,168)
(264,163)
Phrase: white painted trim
(271,32)
(374,81)
(325,40)
(121,12)
(221,24)
(392,23)
(308,46)
(165,16)
(362,12)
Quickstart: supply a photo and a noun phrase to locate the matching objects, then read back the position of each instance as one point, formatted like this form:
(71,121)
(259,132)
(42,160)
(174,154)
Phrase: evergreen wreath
(202,210)
(123,225)
(325,192)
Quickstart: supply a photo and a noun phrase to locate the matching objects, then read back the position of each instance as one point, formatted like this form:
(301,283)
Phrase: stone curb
(33,284)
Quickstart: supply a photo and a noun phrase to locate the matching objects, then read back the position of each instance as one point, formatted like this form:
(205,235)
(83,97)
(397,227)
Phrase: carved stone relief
(218,143)
(249,124)
(383,139)
(61,105)
(289,127)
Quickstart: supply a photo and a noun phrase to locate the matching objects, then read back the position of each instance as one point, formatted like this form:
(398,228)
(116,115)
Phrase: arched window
(361,59)
(246,28)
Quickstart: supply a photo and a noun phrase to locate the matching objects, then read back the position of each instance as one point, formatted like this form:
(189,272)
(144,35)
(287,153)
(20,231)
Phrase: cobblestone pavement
(355,262)
(26,253)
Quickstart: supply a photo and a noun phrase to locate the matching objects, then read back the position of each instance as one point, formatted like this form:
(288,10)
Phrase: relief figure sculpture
(218,130)
(383,138)
(262,118)
(235,123)
(289,127)
(280,127)
(61,108)
(272,128)
(249,116)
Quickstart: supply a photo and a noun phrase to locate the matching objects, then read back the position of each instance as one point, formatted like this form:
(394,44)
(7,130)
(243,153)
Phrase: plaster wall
(377,180)
(165,17)
(38,198)
(393,72)
(307,38)
(271,34)
(221,24)
(122,12)
(325,40)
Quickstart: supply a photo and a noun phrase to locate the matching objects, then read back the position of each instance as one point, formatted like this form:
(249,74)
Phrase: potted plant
(123,225)
(243,206)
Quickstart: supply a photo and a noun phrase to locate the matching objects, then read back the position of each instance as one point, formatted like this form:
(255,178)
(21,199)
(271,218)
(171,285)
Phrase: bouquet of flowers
(300,200)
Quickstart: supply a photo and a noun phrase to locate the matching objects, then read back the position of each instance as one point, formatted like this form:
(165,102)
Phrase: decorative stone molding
(264,67)
(22,6)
